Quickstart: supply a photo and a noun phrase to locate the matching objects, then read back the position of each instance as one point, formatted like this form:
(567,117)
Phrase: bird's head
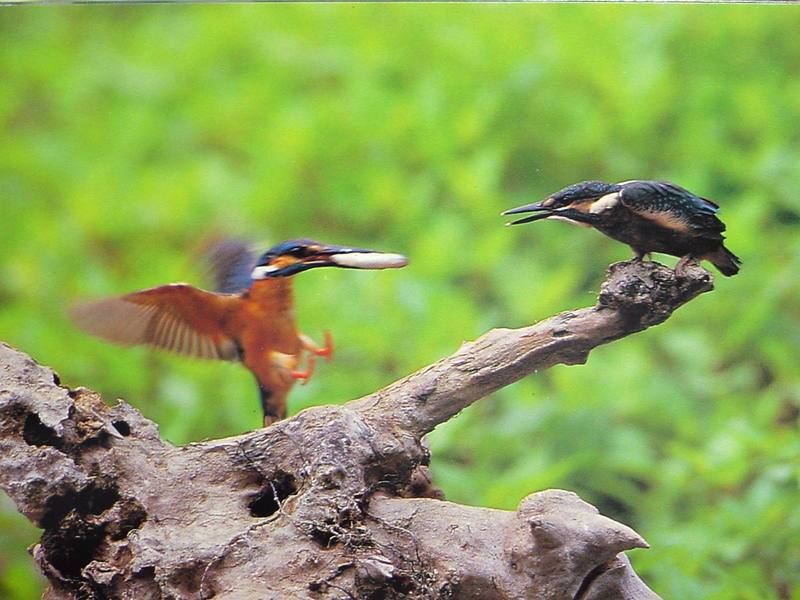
(293,256)
(585,198)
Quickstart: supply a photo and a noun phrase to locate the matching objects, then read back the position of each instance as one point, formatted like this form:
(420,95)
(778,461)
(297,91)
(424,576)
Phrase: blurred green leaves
(129,134)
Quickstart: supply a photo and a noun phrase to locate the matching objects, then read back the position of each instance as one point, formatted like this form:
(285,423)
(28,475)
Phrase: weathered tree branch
(635,296)
(311,507)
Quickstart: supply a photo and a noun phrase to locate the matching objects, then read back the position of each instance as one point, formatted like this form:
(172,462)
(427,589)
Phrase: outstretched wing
(230,263)
(177,317)
(673,207)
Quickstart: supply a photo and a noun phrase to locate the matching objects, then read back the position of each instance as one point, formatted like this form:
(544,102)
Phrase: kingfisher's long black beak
(321,255)
(542,212)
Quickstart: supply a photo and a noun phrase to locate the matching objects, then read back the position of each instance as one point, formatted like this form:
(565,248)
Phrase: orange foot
(326,351)
(304,376)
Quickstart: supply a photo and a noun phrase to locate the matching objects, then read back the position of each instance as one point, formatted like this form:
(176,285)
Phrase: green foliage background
(131,133)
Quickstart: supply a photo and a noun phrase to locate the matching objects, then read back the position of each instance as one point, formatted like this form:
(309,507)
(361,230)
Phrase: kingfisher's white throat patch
(263,272)
(567,220)
(604,203)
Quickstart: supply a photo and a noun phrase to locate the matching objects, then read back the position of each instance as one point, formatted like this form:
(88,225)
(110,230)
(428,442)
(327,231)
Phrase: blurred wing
(230,263)
(175,317)
(673,207)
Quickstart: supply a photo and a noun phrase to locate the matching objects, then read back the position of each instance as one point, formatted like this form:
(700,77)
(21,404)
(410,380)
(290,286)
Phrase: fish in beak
(367,259)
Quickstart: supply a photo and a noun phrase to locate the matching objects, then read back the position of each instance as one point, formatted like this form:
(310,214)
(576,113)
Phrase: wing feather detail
(176,317)
(673,207)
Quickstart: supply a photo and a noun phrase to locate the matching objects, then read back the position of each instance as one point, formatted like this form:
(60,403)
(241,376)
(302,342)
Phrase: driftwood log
(321,505)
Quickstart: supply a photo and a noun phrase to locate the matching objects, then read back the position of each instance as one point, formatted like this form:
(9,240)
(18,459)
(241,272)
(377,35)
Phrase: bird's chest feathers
(271,315)
(611,216)
(634,229)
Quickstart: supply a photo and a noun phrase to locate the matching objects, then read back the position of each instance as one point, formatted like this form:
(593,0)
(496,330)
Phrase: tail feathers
(725,260)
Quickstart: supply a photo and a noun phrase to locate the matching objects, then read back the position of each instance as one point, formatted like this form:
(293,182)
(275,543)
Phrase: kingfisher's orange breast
(264,320)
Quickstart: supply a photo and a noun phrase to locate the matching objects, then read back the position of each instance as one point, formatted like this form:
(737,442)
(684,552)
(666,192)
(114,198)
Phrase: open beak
(334,256)
(542,212)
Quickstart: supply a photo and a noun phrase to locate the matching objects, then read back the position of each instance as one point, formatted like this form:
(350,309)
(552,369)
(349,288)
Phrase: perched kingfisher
(249,318)
(649,216)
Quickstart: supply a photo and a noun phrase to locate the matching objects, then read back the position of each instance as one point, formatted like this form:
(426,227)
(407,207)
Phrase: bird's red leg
(326,351)
(304,376)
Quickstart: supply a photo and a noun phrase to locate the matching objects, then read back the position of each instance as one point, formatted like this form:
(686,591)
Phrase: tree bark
(317,506)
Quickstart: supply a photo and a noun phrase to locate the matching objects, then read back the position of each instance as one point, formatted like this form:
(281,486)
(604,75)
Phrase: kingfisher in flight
(249,318)
(649,216)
